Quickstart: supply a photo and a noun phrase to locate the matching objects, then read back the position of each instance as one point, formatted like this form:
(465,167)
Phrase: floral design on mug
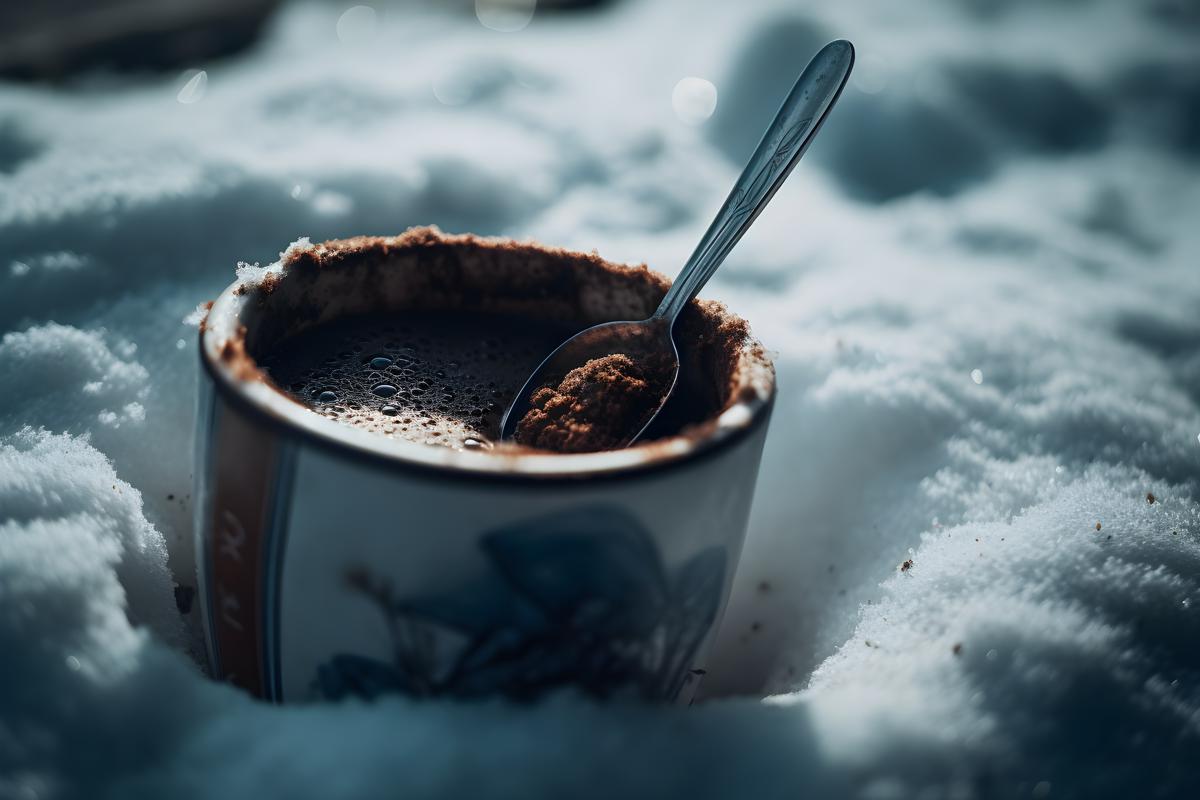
(578,598)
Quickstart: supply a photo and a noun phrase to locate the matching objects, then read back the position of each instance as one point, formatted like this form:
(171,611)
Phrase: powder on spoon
(597,406)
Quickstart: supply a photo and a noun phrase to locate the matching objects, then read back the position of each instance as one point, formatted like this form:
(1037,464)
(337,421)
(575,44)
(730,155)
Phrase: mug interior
(725,380)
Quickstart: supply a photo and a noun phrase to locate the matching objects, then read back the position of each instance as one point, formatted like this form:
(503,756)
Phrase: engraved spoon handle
(790,134)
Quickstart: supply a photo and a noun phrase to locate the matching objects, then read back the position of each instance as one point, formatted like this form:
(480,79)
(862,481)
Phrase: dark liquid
(428,377)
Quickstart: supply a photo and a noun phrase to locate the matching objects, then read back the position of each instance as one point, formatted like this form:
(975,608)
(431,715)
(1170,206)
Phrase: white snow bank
(56,374)
(1010,655)
(69,526)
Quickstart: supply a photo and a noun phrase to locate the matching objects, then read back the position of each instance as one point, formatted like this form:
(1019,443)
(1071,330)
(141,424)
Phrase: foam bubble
(441,379)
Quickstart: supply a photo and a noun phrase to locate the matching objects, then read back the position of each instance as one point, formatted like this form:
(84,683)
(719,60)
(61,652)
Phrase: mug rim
(223,324)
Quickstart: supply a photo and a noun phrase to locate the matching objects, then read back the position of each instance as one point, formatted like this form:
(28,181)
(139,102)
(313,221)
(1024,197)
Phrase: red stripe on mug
(242,496)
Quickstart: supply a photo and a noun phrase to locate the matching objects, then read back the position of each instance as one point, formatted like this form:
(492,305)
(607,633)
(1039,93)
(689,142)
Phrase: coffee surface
(441,378)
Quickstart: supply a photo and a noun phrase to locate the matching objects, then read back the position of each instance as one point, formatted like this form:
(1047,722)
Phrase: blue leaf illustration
(577,598)
(488,604)
(593,568)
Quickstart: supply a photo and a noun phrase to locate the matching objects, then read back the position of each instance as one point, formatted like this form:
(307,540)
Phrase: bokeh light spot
(506,16)
(357,24)
(694,100)
(194,87)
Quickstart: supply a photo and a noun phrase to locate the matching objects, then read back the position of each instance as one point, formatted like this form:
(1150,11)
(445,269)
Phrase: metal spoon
(790,134)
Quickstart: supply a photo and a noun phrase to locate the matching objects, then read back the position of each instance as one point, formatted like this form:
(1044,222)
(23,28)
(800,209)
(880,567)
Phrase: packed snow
(973,568)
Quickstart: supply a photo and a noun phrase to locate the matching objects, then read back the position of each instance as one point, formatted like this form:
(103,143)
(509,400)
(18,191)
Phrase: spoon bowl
(650,341)
(646,341)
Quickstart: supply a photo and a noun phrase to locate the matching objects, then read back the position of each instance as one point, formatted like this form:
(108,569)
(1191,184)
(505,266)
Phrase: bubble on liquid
(441,399)
(977,376)
(694,100)
(194,87)
(476,443)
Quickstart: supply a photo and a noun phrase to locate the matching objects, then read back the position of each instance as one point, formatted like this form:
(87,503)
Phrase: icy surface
(982,287)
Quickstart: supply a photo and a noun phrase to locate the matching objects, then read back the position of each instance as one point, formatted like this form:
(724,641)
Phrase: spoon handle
(794,128)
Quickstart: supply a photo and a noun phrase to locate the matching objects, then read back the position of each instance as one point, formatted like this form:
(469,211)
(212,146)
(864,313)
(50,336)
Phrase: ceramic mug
(335,562)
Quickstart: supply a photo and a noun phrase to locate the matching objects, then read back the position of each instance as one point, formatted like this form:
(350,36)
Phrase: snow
(981,287)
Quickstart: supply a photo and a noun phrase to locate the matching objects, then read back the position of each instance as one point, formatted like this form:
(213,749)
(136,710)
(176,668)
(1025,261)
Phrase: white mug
(336,562)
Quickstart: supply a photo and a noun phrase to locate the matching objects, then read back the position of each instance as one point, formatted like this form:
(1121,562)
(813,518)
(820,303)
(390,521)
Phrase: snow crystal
(253,274)
(198,314)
